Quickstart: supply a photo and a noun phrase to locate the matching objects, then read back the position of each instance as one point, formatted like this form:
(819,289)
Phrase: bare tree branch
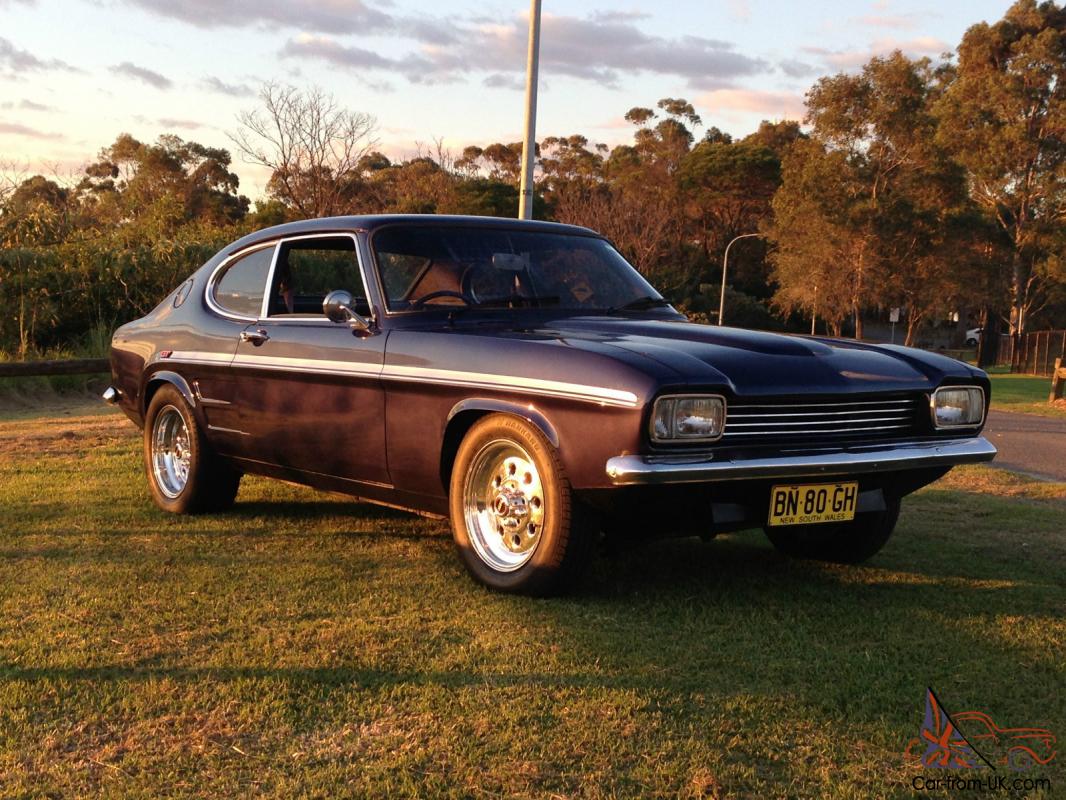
(310,143)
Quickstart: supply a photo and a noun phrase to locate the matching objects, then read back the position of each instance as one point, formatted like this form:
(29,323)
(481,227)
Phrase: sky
(74,74)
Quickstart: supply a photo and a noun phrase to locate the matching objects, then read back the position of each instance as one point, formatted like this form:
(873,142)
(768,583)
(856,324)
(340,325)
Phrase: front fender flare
(492,405)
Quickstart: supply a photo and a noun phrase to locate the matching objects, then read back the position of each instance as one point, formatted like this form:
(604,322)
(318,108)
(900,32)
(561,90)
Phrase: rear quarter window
(240,288)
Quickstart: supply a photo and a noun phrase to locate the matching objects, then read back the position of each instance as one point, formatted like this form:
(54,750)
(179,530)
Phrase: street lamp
(725,266)
(529,143)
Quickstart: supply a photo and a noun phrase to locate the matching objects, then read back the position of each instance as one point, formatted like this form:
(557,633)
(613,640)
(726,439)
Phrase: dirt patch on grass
(63,435)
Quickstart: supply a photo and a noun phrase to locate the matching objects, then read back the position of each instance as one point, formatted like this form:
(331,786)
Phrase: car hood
(748,362)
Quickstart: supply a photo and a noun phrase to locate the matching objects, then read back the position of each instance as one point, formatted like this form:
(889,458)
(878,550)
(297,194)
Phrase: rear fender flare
(157,379)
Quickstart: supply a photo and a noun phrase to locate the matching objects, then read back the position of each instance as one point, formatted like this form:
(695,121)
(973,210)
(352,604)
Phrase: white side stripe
(574,391)
(578,391)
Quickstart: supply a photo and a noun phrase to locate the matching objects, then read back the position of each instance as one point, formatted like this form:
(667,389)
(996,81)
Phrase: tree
(313,147)
(727,190)
(173,180)
(1002,117)
(887,207)
(815,248)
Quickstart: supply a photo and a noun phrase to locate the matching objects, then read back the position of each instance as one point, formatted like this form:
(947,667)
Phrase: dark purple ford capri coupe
(523,379)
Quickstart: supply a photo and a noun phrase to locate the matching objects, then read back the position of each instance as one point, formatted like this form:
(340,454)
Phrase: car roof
(370,222)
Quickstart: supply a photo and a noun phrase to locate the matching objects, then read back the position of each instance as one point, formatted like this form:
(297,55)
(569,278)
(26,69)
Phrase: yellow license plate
(811,503)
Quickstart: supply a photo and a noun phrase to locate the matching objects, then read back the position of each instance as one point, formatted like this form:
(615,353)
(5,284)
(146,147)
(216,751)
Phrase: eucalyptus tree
(885,191)
(1002,116)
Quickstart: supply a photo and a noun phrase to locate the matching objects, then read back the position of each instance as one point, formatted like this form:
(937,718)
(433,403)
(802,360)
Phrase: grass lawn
(307,646)
(1026,393)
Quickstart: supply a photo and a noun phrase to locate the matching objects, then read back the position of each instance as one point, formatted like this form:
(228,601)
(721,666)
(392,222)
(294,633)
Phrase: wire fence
(1032,353)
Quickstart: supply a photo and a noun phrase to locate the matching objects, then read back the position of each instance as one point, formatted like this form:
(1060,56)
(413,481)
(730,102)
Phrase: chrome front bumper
(799,462)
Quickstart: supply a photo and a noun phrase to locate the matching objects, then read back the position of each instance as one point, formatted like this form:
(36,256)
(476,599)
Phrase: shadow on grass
(683,619)
(289,510)
(706,637)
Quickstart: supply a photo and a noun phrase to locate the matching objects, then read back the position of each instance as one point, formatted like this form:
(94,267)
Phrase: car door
(309,389)
(234,296)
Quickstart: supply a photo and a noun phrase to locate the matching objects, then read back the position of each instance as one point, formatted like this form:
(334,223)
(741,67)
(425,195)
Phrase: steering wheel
(421,301)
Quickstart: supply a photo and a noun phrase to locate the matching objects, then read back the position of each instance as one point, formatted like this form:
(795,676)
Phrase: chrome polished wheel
(171,453)
(503,505)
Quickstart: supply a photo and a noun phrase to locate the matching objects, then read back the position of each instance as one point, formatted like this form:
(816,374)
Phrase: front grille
(770,421)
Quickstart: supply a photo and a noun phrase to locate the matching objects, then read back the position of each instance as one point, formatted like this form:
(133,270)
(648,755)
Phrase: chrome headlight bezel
(969,421)
(666,407)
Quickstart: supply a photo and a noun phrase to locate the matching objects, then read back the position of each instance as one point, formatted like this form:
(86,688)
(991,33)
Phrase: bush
(741,310)
(73,294)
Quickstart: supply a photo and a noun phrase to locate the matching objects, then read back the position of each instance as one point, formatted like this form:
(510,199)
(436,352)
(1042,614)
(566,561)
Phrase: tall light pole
(725,266)
(529,143)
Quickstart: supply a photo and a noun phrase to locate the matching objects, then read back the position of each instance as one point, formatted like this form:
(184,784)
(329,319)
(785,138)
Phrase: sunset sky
(76,73)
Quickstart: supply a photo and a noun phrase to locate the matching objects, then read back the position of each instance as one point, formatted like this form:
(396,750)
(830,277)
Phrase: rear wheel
(843,542)
(184,474)
(515,521)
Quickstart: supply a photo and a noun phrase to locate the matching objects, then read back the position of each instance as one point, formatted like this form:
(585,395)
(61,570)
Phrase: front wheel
(515,521)
(184,474)
(842,542)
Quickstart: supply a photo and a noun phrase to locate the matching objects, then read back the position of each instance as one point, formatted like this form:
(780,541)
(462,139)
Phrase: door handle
(255,337)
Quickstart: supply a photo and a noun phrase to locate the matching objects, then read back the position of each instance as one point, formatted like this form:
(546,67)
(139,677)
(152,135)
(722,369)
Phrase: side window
(309,269)
(400,272)
(240,288)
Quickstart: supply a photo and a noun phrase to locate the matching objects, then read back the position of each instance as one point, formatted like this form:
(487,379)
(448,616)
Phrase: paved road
(1028,443)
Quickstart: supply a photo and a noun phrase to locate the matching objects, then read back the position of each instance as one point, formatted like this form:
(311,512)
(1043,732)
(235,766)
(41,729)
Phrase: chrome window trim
(312,320)
(216,274)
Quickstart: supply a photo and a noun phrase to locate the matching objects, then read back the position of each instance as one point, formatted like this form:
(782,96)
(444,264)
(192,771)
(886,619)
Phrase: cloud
(27,105)
(917,47)
(17,60)
(780,105)
(17,129)
(213,84)
(337,16)
(740,10)
(589,49)
(794,68)
(901,21)
(325,48)
(131,70)
(498,80)
(184,124)
(619,16)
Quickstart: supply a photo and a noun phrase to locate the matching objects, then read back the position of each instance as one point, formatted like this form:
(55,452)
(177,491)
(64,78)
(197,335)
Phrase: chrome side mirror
(338,308)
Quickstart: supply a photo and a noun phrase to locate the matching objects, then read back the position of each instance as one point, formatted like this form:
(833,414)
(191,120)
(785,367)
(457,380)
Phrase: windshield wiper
(640,304)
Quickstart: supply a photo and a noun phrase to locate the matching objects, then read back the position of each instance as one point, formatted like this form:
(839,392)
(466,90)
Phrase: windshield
(426,267)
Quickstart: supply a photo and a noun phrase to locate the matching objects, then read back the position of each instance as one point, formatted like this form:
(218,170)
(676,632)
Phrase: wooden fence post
(1058,379)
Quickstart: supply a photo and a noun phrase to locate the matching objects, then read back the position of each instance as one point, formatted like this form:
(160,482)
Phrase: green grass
(1025,393)
(307,646)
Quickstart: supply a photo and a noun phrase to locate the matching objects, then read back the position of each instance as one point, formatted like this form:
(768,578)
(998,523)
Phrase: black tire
(841,542)
(211,483)
(566,535)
